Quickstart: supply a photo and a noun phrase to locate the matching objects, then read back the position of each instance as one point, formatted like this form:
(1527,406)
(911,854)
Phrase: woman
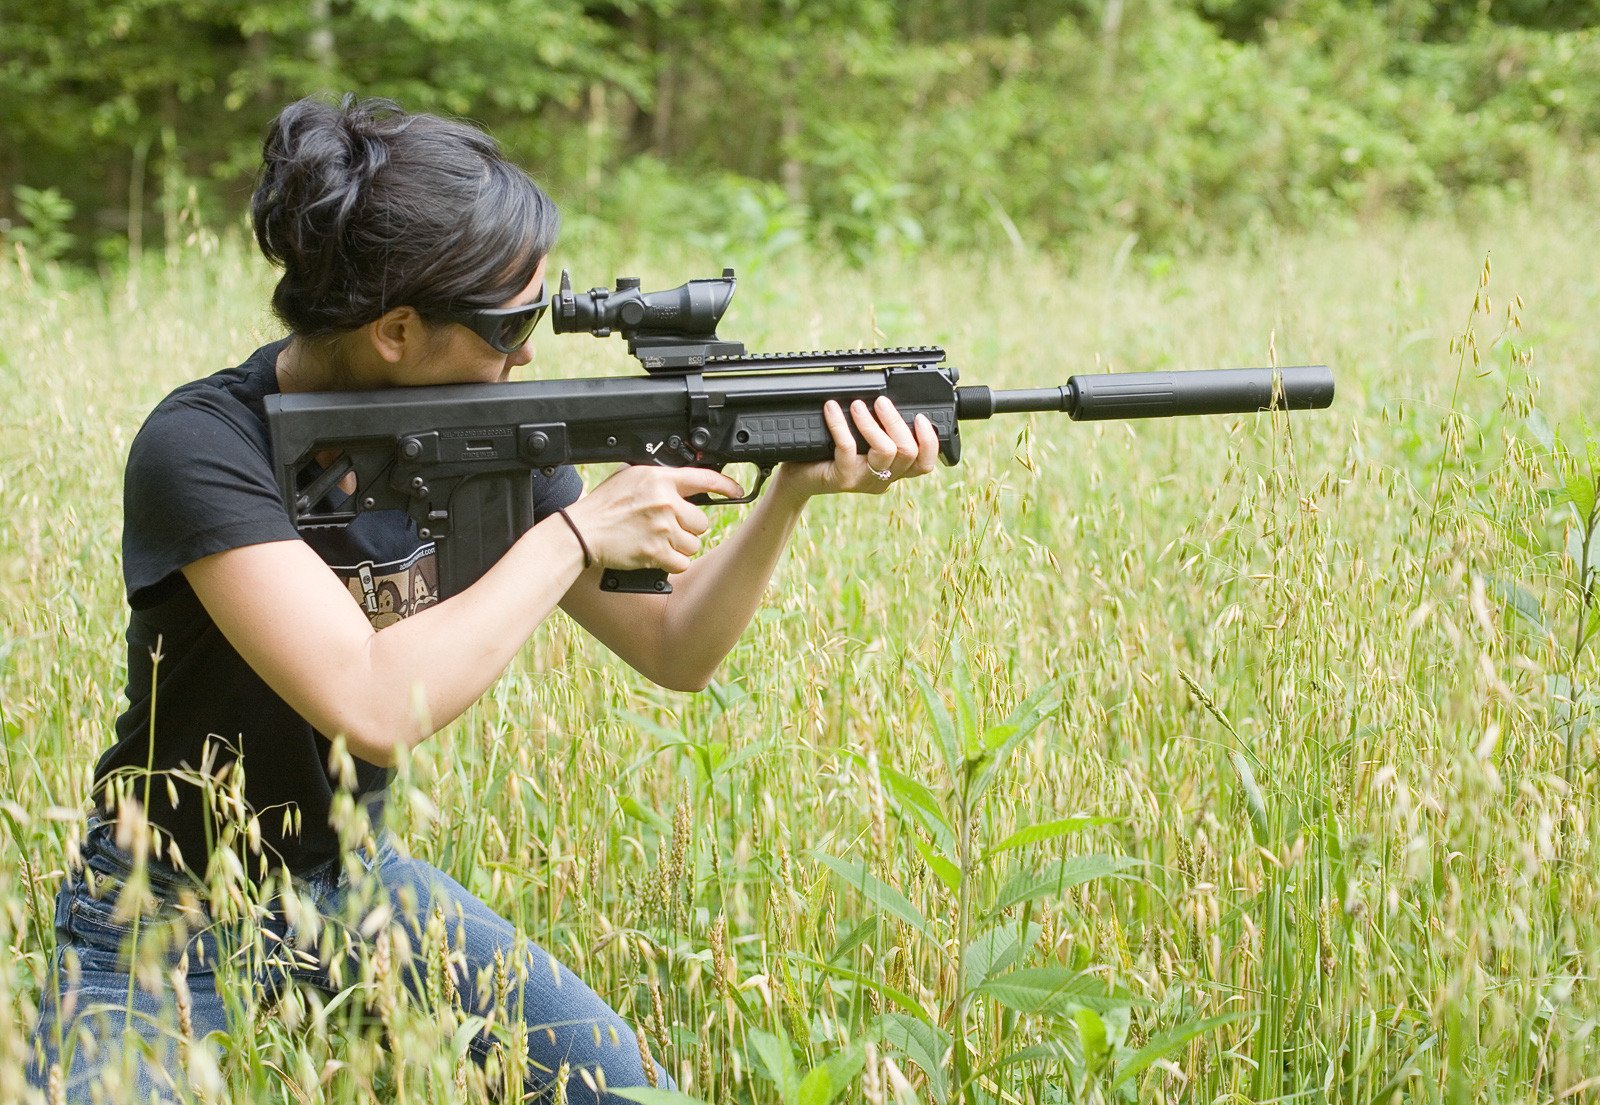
(412,253)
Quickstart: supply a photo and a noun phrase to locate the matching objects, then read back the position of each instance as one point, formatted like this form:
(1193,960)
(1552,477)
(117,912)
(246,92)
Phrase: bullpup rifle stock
(459,458)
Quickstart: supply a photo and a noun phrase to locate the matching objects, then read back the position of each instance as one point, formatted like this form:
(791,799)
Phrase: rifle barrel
(1158,394)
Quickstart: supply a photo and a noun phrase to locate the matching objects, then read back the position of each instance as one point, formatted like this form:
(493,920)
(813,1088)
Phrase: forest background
(853,124)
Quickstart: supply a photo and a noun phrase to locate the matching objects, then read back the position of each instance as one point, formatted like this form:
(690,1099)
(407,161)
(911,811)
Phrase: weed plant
(1228,759)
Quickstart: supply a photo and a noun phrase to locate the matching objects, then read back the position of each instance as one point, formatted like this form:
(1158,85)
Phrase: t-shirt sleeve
(556,492)
(199,481)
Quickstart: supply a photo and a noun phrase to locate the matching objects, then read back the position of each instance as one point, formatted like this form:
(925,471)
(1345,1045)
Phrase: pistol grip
(636,581)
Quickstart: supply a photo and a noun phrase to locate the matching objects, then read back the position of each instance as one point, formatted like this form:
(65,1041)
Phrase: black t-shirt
(200,481)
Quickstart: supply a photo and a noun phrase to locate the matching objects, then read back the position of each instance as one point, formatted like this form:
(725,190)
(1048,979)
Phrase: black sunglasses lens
(512,333)
(514,330)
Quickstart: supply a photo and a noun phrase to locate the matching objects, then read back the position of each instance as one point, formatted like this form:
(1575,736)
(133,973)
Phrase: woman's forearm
(454,651)
(678,640)
(713,601)
(294,623)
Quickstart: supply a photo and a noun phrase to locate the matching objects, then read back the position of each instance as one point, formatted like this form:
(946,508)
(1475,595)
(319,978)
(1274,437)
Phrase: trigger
(704,499)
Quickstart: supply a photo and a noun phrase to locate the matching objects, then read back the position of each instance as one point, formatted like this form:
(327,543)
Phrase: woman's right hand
(640,517)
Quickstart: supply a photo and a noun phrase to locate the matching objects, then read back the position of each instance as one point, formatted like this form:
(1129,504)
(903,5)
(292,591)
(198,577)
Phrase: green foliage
(990,978)
(45,214)
(860,125)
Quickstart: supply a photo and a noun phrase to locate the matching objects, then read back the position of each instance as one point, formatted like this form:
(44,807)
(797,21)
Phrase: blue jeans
(113,1012)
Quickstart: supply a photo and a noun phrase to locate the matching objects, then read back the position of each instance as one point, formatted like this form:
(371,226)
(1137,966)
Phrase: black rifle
(459,458)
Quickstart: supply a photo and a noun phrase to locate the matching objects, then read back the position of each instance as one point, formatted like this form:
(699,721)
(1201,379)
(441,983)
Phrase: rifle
(459,458)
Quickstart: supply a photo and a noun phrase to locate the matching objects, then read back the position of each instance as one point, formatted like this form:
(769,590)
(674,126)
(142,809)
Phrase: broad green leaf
(996,950)
(817,1088)
(1092,1031)
(854,939)
(878,892)
(943,726)
(923,1043)
(777,1061)
(1254,803)
(1167,1043)
(996,735)
(923,805)
(470,1029)
(726,763)
(709,757)
(1591,448)
(1579,487)
(947,872)
(1518,601)
(1018,727)
(1054,991)
(1034,834)
(641,812)
(888,993)
(966,705)
(842,1068)
(1030,885)
(1538,427)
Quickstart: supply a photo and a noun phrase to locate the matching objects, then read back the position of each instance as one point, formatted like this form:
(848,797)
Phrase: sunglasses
(507,329)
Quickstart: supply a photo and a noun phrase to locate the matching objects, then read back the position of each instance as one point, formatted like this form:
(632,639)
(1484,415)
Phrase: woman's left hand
(895,451)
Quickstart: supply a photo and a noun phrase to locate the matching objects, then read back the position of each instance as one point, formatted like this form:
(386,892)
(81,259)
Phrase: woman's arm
(297,627)
(678,640)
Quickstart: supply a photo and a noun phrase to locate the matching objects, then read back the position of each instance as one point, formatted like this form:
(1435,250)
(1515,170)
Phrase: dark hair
(368,207)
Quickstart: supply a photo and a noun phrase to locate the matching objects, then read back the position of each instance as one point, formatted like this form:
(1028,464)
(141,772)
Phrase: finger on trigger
(690,481)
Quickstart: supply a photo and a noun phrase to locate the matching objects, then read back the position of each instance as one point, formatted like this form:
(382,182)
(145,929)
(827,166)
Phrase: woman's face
(458,356)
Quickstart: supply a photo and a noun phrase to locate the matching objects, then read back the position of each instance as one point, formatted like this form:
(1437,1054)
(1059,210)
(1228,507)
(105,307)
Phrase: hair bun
(366,207)
(316,160)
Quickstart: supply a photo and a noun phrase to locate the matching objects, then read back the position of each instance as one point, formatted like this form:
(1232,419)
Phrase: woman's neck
(315,364)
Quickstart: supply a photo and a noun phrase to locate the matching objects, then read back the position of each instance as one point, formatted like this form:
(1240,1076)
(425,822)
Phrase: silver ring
(883,475)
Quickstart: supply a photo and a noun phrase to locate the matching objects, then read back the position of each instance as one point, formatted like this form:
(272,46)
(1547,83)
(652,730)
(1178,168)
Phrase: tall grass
(1299,696)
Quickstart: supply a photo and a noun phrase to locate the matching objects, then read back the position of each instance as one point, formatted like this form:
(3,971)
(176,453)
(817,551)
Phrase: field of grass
(1313,779)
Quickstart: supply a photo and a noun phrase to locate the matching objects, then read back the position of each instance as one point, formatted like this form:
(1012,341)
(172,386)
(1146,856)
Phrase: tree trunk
(1110,33)
(141,155)
(258,54)
(595,132)
(320,46)
(790,123)
(666,103)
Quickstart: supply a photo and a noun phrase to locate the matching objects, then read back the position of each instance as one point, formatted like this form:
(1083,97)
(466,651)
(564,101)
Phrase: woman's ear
(397,332)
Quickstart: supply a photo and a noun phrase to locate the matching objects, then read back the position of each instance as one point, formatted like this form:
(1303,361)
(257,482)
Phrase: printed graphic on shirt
(389,592)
